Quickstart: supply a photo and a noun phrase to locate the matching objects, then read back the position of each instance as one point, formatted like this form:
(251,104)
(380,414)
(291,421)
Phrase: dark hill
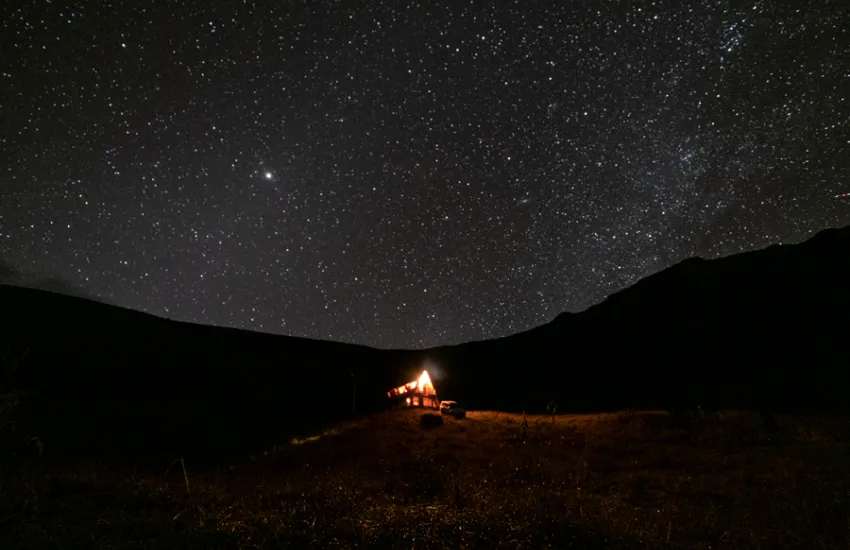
(768,328)
(103,376)
(765,329)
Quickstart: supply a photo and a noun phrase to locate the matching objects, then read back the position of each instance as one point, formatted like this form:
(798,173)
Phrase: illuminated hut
(419,393)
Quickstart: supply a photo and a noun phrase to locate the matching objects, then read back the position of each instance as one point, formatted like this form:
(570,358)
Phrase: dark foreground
(627,480)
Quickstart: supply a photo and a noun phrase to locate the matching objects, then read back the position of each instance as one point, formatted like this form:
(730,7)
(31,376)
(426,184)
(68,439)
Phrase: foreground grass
(626,480)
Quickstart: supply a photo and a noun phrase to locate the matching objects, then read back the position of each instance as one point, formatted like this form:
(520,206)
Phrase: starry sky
(410,174)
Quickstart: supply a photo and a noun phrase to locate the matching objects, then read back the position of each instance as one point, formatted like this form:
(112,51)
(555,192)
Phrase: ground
(494,480)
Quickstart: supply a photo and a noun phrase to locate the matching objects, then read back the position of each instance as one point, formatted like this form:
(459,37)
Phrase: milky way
(409,176)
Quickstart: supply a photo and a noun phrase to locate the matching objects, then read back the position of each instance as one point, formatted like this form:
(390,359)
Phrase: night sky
(410,175)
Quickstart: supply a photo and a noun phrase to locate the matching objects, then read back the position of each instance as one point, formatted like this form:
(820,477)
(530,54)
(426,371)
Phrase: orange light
(425,384)
(408,401)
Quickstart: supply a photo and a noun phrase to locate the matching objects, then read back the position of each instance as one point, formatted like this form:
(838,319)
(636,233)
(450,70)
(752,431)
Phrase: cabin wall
(415,400)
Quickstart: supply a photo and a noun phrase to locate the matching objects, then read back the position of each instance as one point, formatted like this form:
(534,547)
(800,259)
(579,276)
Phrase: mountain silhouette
(765,329)
(768,326)
(10,275)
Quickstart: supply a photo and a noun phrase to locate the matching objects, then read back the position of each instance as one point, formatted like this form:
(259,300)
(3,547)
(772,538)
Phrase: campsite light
(425,380)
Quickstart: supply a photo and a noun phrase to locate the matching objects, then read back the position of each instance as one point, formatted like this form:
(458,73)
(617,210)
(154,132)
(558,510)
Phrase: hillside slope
(764,329)
(769,326)
(97,375)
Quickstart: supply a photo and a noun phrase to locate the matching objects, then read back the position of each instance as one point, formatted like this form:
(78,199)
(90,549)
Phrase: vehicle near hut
(451,408)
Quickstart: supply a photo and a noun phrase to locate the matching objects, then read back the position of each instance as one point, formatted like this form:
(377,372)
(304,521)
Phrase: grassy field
(625,480)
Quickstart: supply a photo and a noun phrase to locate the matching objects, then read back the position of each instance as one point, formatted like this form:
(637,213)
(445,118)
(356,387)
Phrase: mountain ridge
(686,268)
(760,330)
(828,237)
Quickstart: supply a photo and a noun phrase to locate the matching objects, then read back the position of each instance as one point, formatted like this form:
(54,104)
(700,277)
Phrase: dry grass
(494,480)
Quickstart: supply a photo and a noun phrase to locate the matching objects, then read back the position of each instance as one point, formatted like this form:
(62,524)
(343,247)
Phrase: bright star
(269,175)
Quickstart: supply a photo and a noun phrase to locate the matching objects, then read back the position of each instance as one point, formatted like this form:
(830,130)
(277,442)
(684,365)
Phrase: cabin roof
(420,386)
